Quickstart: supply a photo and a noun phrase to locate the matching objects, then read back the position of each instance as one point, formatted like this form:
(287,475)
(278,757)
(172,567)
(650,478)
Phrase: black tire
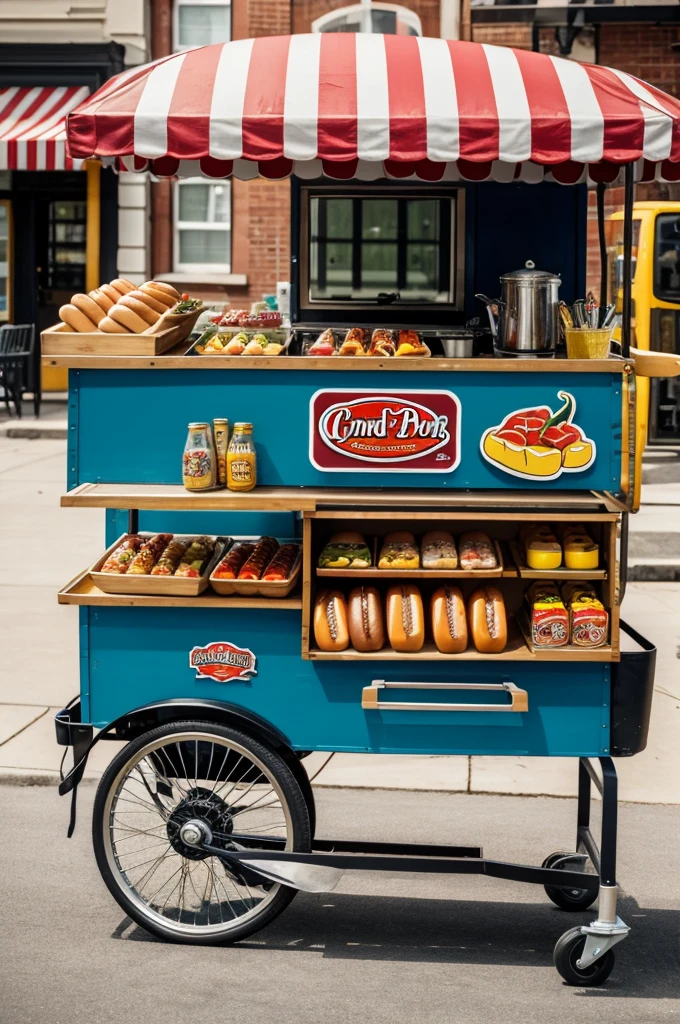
(277,897)
(570,899)
(568,949)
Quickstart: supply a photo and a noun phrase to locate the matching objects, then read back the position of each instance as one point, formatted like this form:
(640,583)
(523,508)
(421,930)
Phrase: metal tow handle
(519,699)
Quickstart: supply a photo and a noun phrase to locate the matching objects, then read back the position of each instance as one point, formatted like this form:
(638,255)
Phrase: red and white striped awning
(353,105)
(33,127)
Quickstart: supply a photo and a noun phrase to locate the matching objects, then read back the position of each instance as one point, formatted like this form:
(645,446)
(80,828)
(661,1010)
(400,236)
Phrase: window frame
(331,17)
(176,47)
(456,244)
(200,225)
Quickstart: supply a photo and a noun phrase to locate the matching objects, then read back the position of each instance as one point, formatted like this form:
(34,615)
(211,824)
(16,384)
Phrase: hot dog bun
(76,319)
(128,318)
(149,288)
(110,291)
(405,619)
(158,307)
(167,288)
(330,621)
(122,286)
(144,311)
(112,326)
(449,623)
(89,307)
(102,299)
(486,618)
(365,618)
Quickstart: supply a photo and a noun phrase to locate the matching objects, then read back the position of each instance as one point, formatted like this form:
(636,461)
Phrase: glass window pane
(331,270)
(194,202)
(202,24)
(378,268)
(379,219)
(422,271)
(423,219)
(196,246)
(667,257)
(338,218)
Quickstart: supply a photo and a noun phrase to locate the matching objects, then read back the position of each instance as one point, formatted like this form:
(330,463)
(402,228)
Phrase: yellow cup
(588,342)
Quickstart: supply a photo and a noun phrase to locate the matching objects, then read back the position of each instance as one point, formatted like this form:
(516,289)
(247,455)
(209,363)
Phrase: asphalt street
(381,949)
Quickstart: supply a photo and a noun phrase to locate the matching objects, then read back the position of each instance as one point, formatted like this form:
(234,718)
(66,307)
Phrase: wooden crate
(169,331)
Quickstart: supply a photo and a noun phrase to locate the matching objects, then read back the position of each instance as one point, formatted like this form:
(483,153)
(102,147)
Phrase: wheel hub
(194,820)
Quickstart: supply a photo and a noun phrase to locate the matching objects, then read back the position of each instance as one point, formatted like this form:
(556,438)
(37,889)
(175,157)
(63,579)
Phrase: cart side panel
(141,655)
(132,423)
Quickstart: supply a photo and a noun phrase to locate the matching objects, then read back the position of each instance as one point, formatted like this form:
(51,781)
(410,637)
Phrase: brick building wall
(261,209)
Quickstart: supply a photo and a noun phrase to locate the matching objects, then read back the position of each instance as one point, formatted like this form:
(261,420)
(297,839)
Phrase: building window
(5,260)
(398,245)
(390,19)
(200,22)
(202,226)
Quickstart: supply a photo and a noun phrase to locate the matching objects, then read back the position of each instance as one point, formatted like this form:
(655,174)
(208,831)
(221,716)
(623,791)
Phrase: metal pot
(525,320)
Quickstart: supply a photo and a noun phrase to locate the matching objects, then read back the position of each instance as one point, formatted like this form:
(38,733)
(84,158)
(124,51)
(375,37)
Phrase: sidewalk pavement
(42,546)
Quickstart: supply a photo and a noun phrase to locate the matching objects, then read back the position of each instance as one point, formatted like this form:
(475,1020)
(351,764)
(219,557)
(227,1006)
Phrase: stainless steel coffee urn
(524,321)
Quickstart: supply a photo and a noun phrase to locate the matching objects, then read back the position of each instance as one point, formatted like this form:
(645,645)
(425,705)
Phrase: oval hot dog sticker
(539,444)
(399,432)
(222,661)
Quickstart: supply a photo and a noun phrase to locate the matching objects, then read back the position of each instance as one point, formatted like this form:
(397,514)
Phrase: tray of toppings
(122,318)
(263,567)
(173,565)
(238,342)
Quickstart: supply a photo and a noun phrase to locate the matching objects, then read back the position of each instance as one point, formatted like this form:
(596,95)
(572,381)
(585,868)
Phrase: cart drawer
(134,656)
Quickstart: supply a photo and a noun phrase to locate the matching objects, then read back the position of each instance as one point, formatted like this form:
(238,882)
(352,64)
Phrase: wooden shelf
(448,504)
(553,574)
(516,650)
(83,591)
(176,359)
(418,574)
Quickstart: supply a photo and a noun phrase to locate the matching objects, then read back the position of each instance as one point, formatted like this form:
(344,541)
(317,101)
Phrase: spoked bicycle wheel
(241,792)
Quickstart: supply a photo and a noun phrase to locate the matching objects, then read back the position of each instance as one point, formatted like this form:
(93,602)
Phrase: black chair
(17,344)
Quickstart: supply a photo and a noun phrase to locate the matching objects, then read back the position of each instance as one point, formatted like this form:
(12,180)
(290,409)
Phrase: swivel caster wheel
(568,950)
(571,899)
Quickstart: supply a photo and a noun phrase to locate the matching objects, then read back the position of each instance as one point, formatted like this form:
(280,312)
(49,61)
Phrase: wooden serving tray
(258,588)
(166,586)
(552,574)
(168,331)
(373,572)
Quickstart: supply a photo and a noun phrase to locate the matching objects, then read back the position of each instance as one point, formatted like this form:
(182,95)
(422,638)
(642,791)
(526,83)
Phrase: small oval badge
(222,661)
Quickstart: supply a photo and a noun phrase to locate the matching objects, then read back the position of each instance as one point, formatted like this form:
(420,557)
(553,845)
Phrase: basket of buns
(121,318)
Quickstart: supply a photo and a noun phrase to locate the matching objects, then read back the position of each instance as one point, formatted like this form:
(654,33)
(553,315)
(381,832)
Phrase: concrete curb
(35,433)
(639,572)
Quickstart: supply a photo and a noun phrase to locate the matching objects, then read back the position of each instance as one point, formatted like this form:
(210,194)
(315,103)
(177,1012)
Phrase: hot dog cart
(204,823)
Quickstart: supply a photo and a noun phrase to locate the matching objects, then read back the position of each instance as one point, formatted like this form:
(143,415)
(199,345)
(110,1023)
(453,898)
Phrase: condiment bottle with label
(199,464)
(241,459)
(221,435)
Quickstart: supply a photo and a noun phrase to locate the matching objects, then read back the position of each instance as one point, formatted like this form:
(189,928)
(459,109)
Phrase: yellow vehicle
(656,307)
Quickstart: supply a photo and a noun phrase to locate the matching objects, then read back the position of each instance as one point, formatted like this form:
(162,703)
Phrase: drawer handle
(370,697)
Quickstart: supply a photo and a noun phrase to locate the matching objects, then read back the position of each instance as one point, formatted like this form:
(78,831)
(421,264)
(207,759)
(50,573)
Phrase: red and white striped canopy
(33,128)
(353,105)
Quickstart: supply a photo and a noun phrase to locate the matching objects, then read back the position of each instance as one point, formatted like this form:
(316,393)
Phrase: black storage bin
(632,688)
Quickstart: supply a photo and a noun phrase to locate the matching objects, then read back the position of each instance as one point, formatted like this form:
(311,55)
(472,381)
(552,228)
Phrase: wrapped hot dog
(148,554)
(548,617)
(280,567)
(231,564)
(170,559)
(382,343)
(354,343)
(588,617)
(265,549)
(195,557)
(120,559)
(476,551)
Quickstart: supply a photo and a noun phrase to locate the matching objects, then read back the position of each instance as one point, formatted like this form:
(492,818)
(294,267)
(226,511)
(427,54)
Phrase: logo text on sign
(399,432)
(223,661)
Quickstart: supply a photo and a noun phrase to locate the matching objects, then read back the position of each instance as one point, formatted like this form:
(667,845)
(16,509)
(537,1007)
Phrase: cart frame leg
(608,928)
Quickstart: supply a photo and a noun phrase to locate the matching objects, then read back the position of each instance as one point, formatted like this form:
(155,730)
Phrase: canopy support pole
(629,199)
(601,189)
